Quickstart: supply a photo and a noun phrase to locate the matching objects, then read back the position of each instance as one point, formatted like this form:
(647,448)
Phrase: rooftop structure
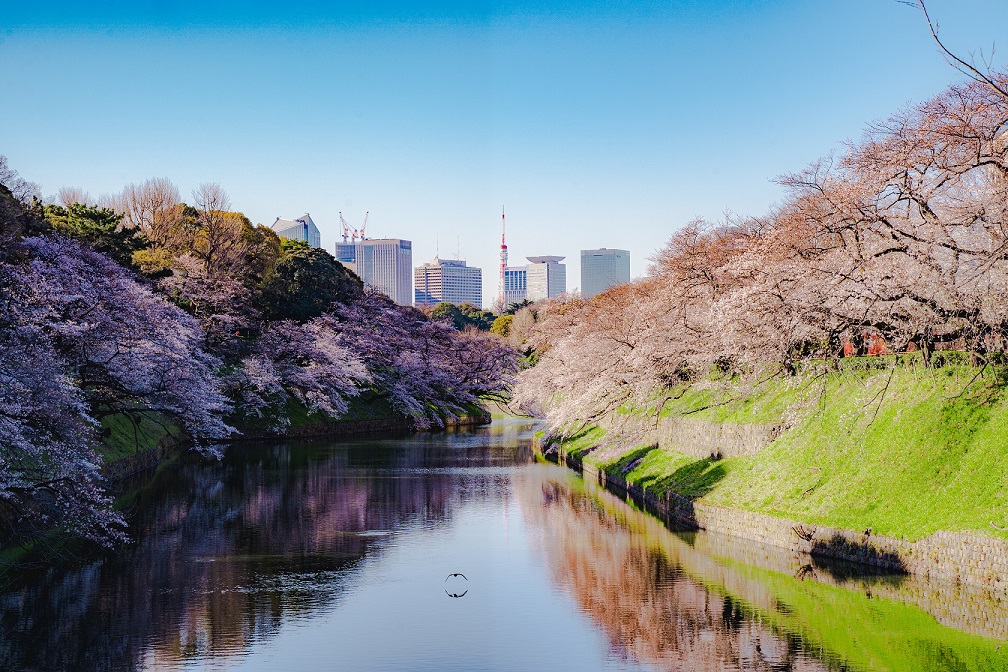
(546,277)
(447,280)
(302,228)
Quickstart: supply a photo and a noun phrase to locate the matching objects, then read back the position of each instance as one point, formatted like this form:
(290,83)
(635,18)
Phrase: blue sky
(599,124)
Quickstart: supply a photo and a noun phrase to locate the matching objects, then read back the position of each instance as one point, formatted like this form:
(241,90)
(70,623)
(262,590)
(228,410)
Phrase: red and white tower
(501,299)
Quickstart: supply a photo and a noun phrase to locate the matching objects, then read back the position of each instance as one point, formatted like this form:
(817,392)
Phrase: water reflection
(651,610)
(317,556)
(700,601)
(226,553)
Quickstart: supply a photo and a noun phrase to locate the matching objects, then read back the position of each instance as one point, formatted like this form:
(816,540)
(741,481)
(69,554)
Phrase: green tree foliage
(481,319)
(15,220)
(98,228)
(448,312)
(515,307)
(462,316)
(306,282)
(288,245)
(264,249)
(502,326)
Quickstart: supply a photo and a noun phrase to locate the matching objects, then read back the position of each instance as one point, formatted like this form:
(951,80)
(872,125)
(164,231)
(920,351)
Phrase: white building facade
(447,280)
(384,264)
(515,285)
(546,277)
(602,269)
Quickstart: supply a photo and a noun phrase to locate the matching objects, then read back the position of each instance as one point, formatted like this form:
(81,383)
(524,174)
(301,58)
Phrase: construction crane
(350,232)
(363,226)
(346,227)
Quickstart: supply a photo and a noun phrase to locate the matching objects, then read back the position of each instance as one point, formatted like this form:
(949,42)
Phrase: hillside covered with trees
(141,306)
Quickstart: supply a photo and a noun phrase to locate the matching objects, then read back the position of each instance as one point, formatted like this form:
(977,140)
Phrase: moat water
(459,552)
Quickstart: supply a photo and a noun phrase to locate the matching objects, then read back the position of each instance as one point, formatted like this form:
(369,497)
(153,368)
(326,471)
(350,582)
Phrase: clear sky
(605,124)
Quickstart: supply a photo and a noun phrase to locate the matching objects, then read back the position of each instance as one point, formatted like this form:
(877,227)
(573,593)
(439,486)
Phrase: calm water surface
(333,556)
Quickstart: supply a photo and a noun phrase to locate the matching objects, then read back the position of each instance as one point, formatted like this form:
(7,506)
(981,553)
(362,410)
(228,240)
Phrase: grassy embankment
(127,437)
(892,446)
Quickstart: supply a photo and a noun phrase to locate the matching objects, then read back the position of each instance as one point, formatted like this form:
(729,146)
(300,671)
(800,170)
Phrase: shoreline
(956,557)
(169,446)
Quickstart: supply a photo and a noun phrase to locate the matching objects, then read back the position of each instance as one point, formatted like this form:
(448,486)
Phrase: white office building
(447,280)
(302,228)
(515,285)
(384,264)
(546,277)
(603,268)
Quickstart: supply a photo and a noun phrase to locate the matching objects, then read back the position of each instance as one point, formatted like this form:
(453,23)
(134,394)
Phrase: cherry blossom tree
(427,369)
(902,240)
(49,472)
(305,362)
(225,307)
(125,346)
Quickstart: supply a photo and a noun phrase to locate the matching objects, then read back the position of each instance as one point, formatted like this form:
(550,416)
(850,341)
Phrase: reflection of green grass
(872,633)
(839,624)
(905,452)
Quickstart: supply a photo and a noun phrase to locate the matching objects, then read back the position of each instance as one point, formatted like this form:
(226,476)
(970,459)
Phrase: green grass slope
(903,450)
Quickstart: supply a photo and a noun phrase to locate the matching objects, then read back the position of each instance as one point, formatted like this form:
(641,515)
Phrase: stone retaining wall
(957,557)
(168,446)
(697,438)
(973,609)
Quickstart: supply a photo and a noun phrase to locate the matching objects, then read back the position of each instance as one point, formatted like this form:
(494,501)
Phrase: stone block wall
(697,438)
(954,557)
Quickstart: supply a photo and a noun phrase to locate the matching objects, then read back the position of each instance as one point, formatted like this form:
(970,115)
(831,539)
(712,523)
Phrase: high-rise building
(515,285)
(546,277)
(448,280)
(603,268)
(384,264)
(302,228)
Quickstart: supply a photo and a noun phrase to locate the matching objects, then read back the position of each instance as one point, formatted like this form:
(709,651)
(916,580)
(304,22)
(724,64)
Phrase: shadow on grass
(693,480)
(668,497)
(629,461)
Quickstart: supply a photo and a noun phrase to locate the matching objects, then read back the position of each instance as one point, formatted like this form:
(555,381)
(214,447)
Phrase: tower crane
(363,226)
(350,232)
(346,227)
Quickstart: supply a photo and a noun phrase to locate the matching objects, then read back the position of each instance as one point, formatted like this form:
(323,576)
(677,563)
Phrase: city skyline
(597,124)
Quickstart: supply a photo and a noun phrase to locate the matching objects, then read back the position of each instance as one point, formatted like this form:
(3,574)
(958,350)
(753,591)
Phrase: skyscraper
(384,264)
(603,268)
(302,228)
(448,280)
(546,277)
